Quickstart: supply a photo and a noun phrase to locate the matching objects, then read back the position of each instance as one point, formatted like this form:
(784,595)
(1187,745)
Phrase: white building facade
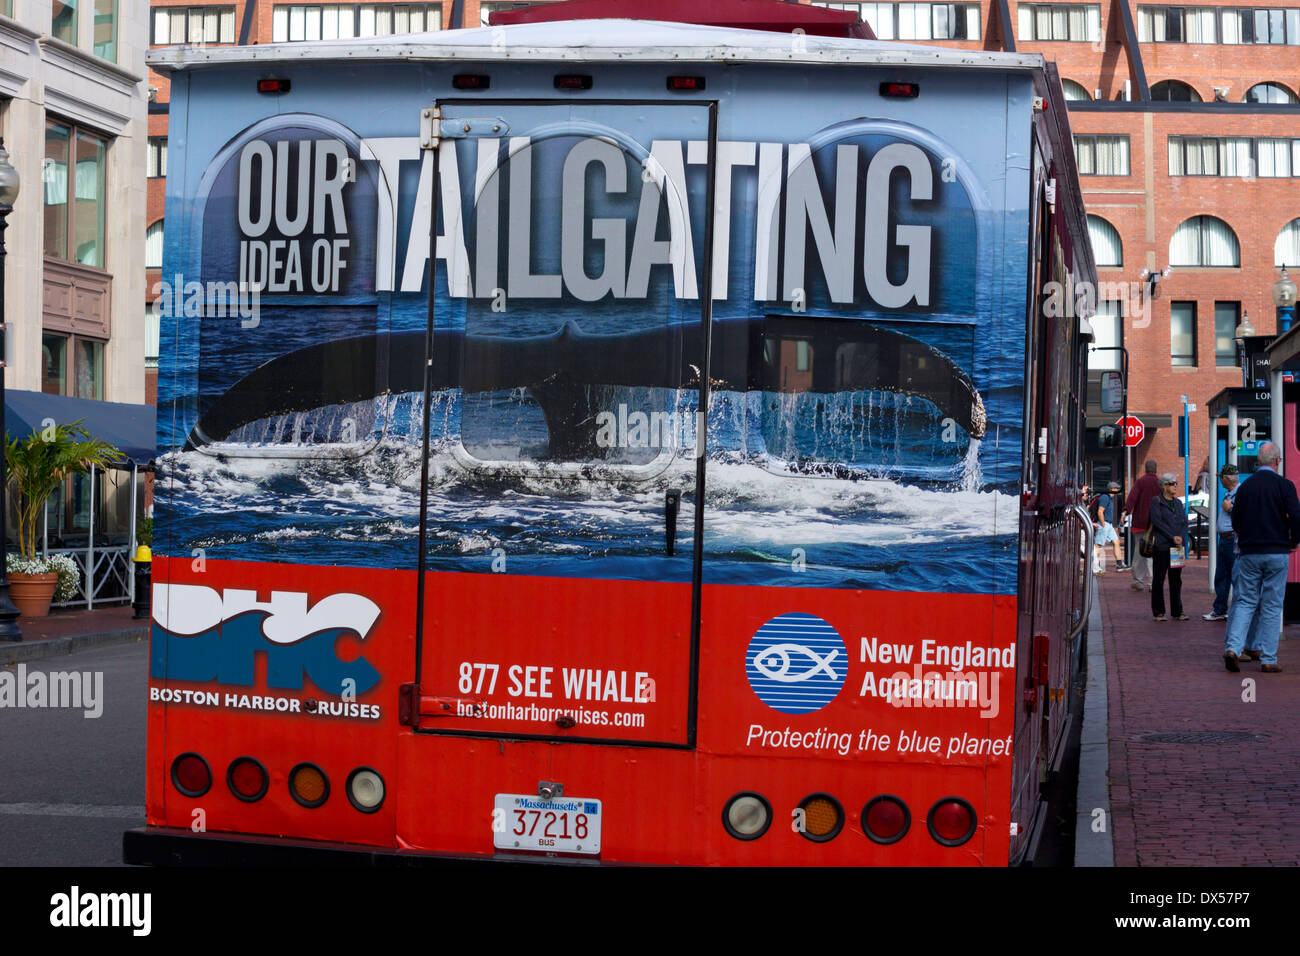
(73,115)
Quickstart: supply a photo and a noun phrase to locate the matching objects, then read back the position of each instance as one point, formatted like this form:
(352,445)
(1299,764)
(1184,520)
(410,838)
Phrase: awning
(1150,420)
(129,428)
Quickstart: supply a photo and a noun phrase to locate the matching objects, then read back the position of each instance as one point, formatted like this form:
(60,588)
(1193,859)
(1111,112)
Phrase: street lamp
(1244,331)
(9,630)
(1284,299)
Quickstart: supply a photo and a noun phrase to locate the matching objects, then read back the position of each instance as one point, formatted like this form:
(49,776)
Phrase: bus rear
(592,441)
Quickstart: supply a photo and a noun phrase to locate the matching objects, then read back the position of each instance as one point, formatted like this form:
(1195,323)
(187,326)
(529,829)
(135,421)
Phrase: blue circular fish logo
(796,663)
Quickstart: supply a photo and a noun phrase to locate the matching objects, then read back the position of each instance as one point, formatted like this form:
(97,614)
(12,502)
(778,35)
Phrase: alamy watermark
(197,300)
(82,690)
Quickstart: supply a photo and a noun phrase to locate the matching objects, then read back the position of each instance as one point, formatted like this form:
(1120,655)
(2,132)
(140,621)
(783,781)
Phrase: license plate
(558,825)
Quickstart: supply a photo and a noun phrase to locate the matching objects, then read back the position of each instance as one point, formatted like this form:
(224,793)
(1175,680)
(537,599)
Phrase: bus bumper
(169,846)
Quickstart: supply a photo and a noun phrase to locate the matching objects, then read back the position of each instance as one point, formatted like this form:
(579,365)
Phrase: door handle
(672,504)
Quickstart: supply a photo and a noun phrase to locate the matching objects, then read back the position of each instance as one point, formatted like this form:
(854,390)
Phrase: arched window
(1107,250)
(153,246)
(1269,93)
(1204,241)
(1074,91)
(1175,90)
(1286,251)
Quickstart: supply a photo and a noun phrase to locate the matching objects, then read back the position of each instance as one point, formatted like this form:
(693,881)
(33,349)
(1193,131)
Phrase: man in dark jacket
(1266,517)
(1145,490)
(1169,520)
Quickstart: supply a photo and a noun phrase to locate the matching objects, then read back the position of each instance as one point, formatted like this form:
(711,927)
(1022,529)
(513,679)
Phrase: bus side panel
(287,665)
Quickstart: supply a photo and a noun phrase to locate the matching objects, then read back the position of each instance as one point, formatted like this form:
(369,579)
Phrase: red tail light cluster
(249,781)
(820,817)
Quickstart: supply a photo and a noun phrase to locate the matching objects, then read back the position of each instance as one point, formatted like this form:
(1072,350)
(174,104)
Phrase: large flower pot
(32,593)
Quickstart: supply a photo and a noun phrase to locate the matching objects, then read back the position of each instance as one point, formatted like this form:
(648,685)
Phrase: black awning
(1150,420)
(131,429)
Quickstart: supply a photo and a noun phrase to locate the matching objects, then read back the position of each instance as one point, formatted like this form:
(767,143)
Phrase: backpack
(1092,507)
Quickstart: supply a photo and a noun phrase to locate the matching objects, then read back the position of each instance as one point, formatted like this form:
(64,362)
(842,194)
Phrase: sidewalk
(64,632)
(1217,786)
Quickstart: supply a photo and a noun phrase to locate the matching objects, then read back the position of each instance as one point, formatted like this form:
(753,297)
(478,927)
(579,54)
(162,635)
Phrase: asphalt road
(69,784)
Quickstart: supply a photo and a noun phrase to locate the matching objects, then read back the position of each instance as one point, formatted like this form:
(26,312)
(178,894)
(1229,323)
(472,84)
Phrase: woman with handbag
(1167,532)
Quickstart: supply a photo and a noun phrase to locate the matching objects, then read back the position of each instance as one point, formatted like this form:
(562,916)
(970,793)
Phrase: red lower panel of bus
(842,696)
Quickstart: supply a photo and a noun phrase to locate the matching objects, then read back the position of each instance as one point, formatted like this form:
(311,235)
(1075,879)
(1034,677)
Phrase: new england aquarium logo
(200,634)
(796,663)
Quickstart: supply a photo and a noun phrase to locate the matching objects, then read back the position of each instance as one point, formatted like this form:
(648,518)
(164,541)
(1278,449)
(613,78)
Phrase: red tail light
(247,779)
(191,775)
(951,821)
(886,819)
(572,81)
(685,84)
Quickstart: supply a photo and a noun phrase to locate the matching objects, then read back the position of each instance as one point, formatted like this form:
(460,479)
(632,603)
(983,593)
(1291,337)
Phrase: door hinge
(434,127)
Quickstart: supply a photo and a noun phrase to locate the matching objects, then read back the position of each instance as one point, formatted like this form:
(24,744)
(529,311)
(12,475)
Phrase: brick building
(1187,126)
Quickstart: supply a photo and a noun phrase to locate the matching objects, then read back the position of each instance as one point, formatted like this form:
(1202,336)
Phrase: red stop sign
(1134,430)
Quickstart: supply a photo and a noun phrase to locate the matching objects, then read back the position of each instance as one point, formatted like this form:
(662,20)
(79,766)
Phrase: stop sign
(1134,430)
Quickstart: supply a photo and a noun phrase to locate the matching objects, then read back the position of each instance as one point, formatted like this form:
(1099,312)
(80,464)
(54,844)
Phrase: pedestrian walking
(1102,512)
(1266,517)
(1138,507)
(1225,550)
(1168,521)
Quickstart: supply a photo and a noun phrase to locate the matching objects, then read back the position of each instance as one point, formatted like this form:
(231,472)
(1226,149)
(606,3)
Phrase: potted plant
(38,466)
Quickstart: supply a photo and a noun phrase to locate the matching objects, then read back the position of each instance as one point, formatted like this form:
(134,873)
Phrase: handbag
(1147,545)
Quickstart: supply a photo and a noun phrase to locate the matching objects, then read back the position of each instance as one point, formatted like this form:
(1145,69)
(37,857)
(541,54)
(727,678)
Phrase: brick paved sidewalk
(63,632)
(1197,802)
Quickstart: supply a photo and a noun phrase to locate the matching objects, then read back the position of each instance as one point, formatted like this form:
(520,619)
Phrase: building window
(1107,249)
(1226,317)
(1269,93)
(1177,24)
(1270,157)
(292,23)
(1286,250)
(73,365)
(1101,155)
(74,205)
(63,25)
(1074,91)
(156,164)
(1204,241)
(1261,26)
(1108,336)
(193,25)
(486,9)
(1060,21)
(106,29)
(1274,157)
(153,246)
(916,21)
(54,362)
(1176,91)
(1182,333)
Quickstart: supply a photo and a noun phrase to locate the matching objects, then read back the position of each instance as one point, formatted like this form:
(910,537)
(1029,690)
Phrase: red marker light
(952,821)
(905,91)
(247,779)
(273,85)
(886,819)
(471,81)
(572,81)
(685,84)
(191,775)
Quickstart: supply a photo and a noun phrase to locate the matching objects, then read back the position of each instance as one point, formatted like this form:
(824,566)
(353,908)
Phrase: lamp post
(1244,331)
(1284,298)
(9,630)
